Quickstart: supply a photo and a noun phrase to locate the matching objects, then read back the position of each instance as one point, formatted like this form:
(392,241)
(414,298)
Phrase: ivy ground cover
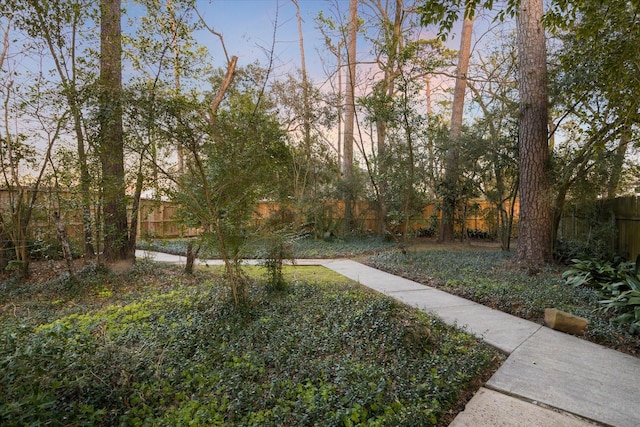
(490,277)
(155,347)
(301,247)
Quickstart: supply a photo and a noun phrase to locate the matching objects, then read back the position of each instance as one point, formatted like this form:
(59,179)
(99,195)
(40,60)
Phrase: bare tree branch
(215,33)
(228,78)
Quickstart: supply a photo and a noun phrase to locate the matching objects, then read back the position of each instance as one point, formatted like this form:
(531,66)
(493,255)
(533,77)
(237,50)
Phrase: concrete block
(565,322)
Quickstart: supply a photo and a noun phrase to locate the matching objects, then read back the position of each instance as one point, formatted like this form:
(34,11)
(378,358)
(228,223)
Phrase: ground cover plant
(490,277)
(300,247)
(158,347)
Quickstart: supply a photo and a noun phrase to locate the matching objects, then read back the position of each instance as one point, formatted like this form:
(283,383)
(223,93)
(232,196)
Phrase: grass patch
(156,347)
(300,247)
(490,278)
(293,274)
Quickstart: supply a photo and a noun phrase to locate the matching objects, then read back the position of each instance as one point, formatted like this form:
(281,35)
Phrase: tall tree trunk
(69,85)
(306,103)
(557,209)
(85,177)
(64,242)
(307,195)
(387,90)
(350,111)
(339,107)
(85,187)
(534,237)
(176,72)
(135,211)
(618,163)
(450,196)
(111,133)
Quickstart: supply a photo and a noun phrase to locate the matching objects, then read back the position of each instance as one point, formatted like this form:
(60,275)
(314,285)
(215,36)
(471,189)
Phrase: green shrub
(278,251)
(566,250)
(617,282)
(596,273)
(628,305)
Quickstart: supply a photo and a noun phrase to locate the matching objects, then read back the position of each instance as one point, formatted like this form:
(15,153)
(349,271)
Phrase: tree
(400,55)
(315,168)
(399,170)
(306,86)
(236,157)
(409,135)
(56,27)
(308,116)
(493,83)
(164,55)
(534,235)
(596,84)
(111,145)
(350,108)
(389,59)
(5,26)
(326,26)
(457,112)
(17,153)
(534,242)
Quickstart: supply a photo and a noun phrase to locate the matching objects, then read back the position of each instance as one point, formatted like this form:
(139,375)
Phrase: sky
(248,29)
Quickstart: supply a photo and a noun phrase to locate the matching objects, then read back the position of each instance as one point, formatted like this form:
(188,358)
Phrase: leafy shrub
(566,250)
(617,282)
(479,234)
(628,304)
(40,248)
(597,273)
(425,232)
(278,251)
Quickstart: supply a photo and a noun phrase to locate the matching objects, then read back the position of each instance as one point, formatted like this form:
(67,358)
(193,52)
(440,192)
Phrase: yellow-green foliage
(329,353)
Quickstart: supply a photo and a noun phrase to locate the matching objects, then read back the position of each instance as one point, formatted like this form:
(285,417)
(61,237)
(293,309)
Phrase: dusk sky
(248,29)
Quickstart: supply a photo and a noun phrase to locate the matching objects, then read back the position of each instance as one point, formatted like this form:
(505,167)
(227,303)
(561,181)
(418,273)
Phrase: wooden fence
(627,223)
(158,219)
(42,226)
(612,224)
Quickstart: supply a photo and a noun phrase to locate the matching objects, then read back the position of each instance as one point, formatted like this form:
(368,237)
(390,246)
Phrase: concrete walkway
(549,378)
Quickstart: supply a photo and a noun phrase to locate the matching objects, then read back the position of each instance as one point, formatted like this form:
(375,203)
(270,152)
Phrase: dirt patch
(122,266)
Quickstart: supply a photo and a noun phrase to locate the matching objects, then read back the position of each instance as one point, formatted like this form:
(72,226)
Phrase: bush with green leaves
(278,250)
(616,281)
